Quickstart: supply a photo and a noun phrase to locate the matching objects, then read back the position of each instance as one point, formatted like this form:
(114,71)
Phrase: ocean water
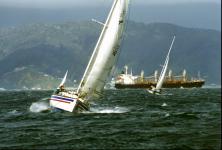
(122,119)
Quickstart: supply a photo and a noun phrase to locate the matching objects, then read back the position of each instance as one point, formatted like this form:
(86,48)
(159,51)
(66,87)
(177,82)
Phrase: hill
(48,50)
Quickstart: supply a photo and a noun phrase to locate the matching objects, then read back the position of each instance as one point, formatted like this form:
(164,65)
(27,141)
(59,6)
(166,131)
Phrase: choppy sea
(122,119)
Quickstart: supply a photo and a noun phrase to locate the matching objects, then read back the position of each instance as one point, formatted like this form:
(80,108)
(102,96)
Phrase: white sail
(64,79)
(163,72)
(105,53)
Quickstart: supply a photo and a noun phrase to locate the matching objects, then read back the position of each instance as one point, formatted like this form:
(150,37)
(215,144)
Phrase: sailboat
(100,64)
(157,90)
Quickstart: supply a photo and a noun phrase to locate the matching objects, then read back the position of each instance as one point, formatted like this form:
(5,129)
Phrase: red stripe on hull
(60,101)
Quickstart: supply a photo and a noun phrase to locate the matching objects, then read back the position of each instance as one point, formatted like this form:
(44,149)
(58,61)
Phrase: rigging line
(124,35)
(105,7)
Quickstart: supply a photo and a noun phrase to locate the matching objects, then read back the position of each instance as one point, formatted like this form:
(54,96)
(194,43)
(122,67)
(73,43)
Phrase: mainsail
(105,53)
(163,72)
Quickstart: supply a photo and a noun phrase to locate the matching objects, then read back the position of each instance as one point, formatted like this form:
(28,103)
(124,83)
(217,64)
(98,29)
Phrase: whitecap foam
(167,115)
(38,107)
(45,99)
(164,105)
(14,112)
(109,110)
(166,94)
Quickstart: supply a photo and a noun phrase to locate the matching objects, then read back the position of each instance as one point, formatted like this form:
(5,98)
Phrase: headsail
(105,53)
(163,72)
(63,80)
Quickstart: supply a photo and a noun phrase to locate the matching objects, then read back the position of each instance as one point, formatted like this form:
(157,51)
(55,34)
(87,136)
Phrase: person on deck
(60,89)
(152,88)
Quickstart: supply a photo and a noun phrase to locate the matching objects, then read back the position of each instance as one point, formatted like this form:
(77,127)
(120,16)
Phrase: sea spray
(39,106)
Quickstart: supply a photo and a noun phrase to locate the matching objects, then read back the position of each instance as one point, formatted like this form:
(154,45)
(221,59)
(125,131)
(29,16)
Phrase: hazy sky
(73,3)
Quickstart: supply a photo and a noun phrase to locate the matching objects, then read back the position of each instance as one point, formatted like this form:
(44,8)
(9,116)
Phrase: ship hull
(68,103)
(190,84)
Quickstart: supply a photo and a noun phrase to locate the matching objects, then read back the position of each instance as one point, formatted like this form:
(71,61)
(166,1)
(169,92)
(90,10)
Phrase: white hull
(68,103)
(65,103)
(154,92)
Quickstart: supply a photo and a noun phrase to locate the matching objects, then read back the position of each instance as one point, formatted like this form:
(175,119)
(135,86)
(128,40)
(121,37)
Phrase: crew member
(60,89)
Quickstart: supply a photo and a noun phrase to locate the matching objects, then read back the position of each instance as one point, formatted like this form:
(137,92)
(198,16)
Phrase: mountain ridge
(54,48)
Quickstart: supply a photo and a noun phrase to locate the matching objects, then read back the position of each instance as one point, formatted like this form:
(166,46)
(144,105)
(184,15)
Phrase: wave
(14,112)
(164,105)
(108,110)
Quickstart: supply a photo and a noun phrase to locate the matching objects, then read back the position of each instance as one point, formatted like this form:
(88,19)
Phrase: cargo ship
(125,80)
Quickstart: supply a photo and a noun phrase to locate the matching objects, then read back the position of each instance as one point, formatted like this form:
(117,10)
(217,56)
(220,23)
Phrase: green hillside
(51,49)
